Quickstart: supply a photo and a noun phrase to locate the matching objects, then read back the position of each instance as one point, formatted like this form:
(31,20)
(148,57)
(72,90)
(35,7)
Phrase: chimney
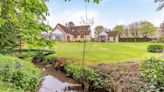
(66,24)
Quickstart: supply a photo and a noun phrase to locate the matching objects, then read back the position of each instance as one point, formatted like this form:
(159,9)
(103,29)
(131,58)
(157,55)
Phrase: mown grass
(97,53)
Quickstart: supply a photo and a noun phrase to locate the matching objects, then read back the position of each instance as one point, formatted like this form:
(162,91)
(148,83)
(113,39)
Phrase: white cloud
(71,15)
(158,18)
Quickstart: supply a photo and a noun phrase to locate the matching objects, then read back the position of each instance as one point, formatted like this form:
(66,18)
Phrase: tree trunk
(145,38)
(135,39)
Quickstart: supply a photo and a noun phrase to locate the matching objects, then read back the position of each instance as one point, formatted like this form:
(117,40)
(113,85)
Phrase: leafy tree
(26,18)
(119,29)
(22,17)
(70,24)
(147,29)
(98,30)
(161,2)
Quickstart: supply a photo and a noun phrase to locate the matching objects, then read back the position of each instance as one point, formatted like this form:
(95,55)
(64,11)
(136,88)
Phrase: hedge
(133,39)
(155,48)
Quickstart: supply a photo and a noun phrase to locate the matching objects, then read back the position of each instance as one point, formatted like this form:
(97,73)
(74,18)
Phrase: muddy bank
(56,81)
(123,77)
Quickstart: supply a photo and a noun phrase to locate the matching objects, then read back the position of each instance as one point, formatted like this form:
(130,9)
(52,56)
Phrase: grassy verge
(17,75)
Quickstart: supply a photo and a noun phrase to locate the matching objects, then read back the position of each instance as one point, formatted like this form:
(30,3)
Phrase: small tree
(98,30)
(119,29)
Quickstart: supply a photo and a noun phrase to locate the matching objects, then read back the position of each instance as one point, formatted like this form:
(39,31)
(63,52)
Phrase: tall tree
(98,30)
(147,29)
(126,33)
(119,29)
(161,2)
(134,30)
(71,24)
(22,17)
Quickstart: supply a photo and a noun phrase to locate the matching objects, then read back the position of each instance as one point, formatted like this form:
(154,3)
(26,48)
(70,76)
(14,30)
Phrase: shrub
(21,75)
(28,56)
(78,72)
(50,59)
(152,70)
(155,48)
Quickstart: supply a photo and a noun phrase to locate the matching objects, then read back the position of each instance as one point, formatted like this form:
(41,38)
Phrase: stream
(55,81)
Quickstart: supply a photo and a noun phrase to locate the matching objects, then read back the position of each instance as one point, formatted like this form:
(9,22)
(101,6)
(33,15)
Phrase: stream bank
(56,81)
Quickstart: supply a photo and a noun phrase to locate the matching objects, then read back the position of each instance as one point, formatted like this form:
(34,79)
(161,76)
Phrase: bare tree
(134,30)
(126,33)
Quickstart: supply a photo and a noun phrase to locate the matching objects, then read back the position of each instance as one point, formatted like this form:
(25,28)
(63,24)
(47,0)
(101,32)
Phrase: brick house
(73,33)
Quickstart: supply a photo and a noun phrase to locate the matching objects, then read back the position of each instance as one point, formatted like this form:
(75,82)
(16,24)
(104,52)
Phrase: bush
(152,70)
(133,40)
(28,56)
(50,59)
(18,74)
(155,48)
(78,72)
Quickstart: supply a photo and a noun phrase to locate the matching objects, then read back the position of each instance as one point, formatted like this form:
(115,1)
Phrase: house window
(75,36)
(114,39)
(82,36)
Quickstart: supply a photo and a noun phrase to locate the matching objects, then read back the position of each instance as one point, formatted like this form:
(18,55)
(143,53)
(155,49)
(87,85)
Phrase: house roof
(103,34)
(112,33)
(76,30)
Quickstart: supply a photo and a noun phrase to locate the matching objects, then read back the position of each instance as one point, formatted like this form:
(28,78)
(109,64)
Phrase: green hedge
(50,59)
(152,70)
(155,48)
(18,74)
(133,40)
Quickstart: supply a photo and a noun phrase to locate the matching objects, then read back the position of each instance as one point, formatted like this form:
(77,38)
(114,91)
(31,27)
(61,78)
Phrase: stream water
(55,81)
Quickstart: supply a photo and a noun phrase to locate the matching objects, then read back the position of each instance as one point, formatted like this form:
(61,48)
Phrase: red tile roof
(112,33)
(76,30)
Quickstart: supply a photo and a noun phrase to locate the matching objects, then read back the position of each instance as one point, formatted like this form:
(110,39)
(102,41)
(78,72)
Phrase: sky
(107,13)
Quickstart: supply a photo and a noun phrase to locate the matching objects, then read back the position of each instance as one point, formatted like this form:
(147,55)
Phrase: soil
(122,76)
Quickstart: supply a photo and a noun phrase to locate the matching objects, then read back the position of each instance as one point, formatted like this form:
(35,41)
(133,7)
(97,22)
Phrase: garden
(31,63)
(24,72)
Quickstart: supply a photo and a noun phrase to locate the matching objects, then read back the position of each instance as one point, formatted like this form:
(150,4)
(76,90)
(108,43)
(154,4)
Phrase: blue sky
(108,13)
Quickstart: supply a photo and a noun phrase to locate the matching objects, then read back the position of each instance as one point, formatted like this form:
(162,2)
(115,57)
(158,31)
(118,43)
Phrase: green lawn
(104,52)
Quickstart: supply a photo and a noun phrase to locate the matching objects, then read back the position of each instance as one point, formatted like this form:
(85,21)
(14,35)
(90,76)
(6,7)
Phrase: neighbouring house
(160,32)
(73,33)
(103,37)
(111,36)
